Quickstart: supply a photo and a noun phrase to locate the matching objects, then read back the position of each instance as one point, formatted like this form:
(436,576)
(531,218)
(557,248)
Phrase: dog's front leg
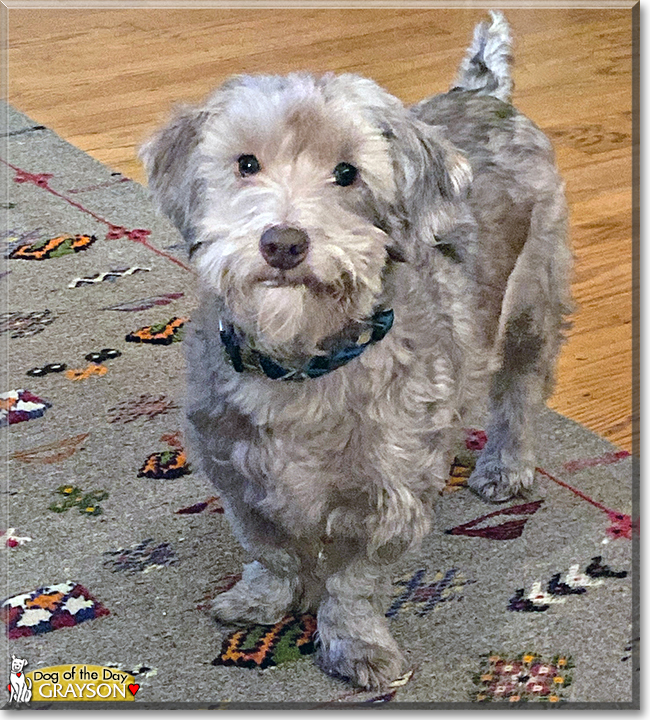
(260,597)
(354,640)
(270,584)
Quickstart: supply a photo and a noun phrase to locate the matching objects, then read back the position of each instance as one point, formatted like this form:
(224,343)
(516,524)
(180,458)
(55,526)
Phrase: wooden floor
(104,79)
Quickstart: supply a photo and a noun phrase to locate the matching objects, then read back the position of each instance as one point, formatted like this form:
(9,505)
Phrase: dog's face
(292,195)
(17,664)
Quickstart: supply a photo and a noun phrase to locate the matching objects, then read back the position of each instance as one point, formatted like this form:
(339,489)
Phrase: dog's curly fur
(457,222)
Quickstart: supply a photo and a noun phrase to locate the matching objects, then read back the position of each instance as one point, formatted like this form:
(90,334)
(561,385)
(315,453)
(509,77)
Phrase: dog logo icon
(20,686)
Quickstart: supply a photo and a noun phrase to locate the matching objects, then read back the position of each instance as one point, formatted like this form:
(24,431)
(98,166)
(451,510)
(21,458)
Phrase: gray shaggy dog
(368,274)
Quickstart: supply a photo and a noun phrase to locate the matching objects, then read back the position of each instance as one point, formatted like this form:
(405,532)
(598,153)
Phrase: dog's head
(295,194)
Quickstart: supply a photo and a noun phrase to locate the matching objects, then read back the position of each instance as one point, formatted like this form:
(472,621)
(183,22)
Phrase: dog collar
(244,358)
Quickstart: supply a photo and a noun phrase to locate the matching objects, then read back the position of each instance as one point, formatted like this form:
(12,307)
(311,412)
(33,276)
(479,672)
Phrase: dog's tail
(487,63)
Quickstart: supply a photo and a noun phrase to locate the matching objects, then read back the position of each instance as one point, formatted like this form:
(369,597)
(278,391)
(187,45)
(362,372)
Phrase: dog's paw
(373,666)
(259,597)
(495,481)
(354,644)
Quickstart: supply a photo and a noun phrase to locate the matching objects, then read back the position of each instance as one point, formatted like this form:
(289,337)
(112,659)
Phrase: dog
(21,687)
(368,274)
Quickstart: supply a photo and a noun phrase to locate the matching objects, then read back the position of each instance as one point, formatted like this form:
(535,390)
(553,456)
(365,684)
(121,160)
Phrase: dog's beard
(289,319)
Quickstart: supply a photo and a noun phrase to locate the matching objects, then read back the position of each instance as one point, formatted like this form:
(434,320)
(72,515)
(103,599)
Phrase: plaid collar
(244,359)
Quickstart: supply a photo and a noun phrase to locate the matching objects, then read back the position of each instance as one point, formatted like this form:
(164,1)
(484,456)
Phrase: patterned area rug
(114,543)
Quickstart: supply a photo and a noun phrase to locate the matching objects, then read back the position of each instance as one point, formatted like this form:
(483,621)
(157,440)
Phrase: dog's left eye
(345,174)
(248,165)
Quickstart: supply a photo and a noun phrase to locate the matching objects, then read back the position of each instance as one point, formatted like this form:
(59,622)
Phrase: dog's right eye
(345,174)
(248,165)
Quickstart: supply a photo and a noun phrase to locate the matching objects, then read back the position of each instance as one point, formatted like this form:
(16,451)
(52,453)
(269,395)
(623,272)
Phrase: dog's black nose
(284,247)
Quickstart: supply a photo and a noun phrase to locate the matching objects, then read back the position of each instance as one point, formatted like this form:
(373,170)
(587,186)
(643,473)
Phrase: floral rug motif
(523,678)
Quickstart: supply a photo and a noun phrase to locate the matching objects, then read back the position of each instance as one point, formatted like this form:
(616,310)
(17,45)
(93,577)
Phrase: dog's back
(513,176)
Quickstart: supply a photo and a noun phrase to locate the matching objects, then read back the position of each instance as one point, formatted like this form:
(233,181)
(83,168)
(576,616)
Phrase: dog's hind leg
(529,339)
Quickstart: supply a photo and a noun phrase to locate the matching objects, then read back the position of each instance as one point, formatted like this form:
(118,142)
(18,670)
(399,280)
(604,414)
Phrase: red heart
(9,688)
(134,689)
(19,674)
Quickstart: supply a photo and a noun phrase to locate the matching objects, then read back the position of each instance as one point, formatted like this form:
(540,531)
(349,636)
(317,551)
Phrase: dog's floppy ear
(429,171)
(168,158)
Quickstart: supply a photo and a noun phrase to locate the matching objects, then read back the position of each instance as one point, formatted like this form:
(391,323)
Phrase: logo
(19,686)
(79,683)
